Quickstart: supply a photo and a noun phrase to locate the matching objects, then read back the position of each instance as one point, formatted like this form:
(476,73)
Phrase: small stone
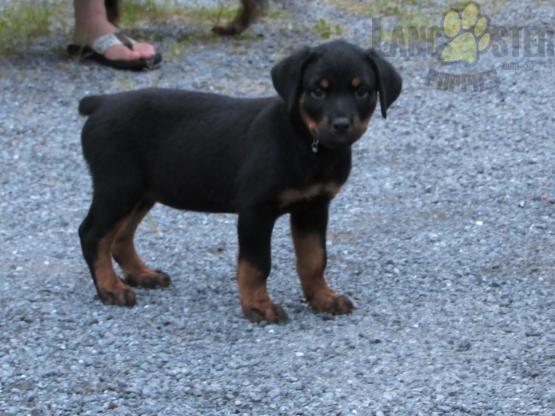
(464,346)
(533,334)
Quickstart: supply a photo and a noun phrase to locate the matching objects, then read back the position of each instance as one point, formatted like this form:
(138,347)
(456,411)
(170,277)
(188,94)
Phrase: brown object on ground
(248,11)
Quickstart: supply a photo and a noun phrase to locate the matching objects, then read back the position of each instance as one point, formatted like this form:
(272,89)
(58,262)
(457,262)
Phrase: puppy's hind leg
(123,250)
(109,208)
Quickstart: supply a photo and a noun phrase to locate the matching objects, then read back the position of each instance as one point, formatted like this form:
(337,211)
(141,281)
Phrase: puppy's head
(334,88)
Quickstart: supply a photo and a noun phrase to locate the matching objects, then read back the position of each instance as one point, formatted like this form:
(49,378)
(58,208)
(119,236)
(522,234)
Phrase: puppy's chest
(322,179)
(294,195)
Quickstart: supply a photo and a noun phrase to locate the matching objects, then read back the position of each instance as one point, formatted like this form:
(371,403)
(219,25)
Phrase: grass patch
(23,21)
(376,7)
(409,12)
(137,11)
(326,29)
(274,14)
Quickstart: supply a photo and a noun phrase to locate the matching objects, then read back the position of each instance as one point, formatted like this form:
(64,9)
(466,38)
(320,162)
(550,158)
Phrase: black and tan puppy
(259,158)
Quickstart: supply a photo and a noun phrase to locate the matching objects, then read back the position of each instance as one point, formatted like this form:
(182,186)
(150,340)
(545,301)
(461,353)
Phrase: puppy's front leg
(308,228)
(255,234)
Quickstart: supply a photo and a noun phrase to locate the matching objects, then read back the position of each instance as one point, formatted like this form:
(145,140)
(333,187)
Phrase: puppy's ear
(389,80)
(287,75)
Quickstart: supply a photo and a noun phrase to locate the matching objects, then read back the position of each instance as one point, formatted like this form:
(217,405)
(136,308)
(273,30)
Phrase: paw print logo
(467,30)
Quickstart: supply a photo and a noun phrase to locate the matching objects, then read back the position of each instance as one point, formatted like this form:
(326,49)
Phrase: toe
(277,314)
(254,315)
(149,280)
(270,313)
(121,53)
(334,304)
(145,50)
(341,305)
(125,297)
(164,279)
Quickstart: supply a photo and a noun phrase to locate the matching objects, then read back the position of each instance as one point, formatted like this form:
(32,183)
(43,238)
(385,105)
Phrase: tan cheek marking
(325,123)
(310,123)
(372,109)
(355,82)
(364,122)
(291,196)
(324,83)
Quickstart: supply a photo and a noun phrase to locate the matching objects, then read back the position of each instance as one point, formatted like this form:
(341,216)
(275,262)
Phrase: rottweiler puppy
(257,157)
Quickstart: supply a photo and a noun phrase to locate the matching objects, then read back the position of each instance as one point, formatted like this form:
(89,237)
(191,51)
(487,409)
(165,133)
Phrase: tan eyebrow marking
(324,83)
(356,82)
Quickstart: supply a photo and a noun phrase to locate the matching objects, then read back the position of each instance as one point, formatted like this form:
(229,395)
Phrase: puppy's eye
(361,92)
(317,93)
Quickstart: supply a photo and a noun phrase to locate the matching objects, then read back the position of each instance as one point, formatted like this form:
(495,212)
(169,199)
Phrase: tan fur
(313,125)
(310,122)
(363,124)
(123,247)
(355,82)
(252,286)
(106,277)
(310,259)
(324,83)
(310,267)
(291,196)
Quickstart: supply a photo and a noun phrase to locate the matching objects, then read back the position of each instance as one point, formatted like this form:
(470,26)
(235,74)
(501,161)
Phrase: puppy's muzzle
(341,125)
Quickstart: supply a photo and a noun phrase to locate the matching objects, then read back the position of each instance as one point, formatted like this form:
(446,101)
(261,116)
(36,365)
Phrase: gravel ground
(444,237)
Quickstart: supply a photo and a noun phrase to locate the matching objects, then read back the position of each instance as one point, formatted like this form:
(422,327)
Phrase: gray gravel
(444,237)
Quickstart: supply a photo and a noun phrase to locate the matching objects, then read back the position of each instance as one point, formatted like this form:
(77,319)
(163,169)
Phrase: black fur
(212,153)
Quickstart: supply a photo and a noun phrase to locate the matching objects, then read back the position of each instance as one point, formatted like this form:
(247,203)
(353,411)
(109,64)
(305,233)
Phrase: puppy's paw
(149,279)
(332,303)
(123,297)
(269,312)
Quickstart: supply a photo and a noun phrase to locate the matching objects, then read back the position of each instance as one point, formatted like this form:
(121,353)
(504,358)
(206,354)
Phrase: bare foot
(91,22)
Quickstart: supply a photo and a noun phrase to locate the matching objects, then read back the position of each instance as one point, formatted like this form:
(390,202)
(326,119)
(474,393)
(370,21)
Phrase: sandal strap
(105,42)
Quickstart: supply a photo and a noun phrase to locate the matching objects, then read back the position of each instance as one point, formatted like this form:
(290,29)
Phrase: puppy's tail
(89,105)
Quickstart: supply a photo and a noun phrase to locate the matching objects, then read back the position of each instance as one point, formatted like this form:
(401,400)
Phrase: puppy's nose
(340,124)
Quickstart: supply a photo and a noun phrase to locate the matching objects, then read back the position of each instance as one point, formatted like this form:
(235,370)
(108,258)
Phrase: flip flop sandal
(99,47)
